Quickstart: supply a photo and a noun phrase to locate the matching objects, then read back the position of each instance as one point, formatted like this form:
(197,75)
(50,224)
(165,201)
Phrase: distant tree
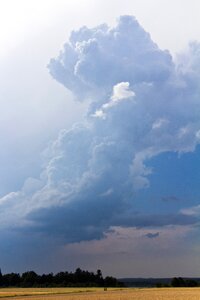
(110,281)
(159,285)
(11,279)
(99,277)
(1,278)
(29,279)
(78,278)
(61,279)
(178,282)
(191,283)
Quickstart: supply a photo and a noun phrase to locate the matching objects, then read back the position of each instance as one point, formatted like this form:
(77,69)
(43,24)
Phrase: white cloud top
(121,91)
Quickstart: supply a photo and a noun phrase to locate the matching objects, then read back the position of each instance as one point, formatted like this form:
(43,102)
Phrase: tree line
(180,282)
(79,278)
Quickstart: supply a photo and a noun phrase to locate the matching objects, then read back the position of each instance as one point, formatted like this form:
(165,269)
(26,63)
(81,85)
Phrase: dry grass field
(99,294)
(16,292)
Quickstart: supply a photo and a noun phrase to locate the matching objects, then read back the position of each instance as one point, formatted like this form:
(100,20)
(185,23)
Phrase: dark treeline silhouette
(181,282)
(161,282)
(79,278)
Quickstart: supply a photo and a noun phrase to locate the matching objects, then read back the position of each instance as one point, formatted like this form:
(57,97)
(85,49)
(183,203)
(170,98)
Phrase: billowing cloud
(94,60)
(142,104)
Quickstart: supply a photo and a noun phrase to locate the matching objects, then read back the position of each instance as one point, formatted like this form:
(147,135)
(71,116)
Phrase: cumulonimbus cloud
(151,106)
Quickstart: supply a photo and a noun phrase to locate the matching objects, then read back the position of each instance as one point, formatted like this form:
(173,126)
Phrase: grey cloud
(102,155)
(154,220)
(152,235)
(96,59)
(89,219)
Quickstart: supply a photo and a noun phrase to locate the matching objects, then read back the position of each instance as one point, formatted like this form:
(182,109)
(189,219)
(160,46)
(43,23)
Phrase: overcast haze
(100,133)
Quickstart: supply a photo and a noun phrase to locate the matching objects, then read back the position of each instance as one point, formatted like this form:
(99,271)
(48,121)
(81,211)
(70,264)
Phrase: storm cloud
(141,104)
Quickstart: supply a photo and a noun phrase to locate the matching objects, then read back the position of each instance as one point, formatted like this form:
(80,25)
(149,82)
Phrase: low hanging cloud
(142,104)
(151,235)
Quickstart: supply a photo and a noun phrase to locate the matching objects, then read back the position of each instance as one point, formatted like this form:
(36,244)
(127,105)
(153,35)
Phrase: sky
(100,134)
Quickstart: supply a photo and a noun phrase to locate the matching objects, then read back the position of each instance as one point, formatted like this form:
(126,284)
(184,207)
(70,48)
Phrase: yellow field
(16,292)
(99,294)
(12,292)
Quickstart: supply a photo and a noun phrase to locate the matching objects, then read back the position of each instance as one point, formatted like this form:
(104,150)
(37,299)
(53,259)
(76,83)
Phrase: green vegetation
(79,278)
(181,282)
(160,282)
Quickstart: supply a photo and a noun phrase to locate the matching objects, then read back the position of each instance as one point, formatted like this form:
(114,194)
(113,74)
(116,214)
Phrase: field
(99,294)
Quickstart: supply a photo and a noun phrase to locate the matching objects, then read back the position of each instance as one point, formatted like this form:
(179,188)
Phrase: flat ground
(99,294)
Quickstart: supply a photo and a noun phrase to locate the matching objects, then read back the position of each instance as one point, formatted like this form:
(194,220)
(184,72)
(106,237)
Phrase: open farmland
(27,292)
(99,294)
